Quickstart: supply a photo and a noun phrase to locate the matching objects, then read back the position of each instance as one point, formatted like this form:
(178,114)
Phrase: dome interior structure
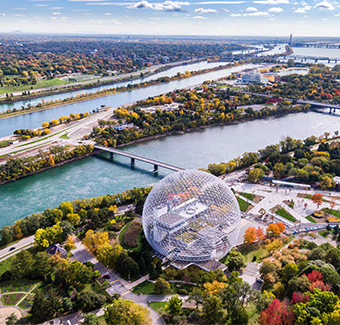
(191,216)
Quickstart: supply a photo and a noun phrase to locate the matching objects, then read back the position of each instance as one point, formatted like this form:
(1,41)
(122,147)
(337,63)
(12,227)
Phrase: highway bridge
(298,101)
(134,157)
(311,57)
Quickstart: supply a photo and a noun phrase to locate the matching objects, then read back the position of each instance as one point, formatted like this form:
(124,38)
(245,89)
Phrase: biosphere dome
(191,216)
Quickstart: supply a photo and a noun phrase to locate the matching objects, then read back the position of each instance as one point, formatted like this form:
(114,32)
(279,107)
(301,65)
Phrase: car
(106,276)
(11,249)
(259,280)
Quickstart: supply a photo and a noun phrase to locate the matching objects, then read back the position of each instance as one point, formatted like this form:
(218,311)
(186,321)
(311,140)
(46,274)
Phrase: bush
(183,291)
(117,226)
(130,238)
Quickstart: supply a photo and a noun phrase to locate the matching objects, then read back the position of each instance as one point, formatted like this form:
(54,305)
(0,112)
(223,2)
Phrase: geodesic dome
(191,216)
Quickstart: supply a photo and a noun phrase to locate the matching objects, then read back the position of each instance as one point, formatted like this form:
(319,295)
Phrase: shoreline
(106,93)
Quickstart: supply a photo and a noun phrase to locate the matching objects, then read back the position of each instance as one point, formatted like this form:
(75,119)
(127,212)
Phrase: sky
(194,17)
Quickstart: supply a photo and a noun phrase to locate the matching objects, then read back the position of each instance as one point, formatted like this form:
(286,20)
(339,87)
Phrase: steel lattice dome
(191,216)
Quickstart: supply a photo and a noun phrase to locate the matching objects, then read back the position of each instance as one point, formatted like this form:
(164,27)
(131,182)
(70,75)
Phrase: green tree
(162,286)
(42,264)
(22,264)
(126,312)
(264,299)
(288,272)
(38,310)
(175,305)
(152,271)
(212,309)
(142,266)
(255,174)
(11,319)
(236,261)
(90,319)
(53,303)
(196,295)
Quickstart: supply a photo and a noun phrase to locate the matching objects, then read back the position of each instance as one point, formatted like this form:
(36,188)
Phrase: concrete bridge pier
(111,155)
(155,168)
(132,161)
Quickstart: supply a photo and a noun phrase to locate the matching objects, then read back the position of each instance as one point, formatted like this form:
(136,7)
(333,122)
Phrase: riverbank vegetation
(105,92)
(16,168)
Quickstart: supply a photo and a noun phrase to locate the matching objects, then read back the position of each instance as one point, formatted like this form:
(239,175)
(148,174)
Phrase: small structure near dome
(55,249)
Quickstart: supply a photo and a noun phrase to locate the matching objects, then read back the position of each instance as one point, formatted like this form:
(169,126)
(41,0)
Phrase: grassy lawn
(5,265)
(145,287)
(324,233)
(249,196)
(253,314)
(310,218)
(335,213)
(243,204)
(250,253)
(39,84)
(64,136)
(27,302)
(4,143)
(148,288)
(283,213)
(291,204)
(102,320)
(158,306)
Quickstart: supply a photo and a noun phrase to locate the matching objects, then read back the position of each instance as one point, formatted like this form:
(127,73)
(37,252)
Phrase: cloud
(235,15)
(251,9)
(218,3)
(79,10)
(56,8)
(271,2)
(108,14)
(18,15)
(225,10)
(206,11)
(257,13)
(55,13)
(324,5)
(337,15)
(275,9)
(2,14)
(199,17)
(141,5)
(20,8)
(166,6)
(303,10)
(41,5)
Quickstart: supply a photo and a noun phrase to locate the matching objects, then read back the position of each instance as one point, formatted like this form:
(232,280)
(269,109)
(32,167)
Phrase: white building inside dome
(191,216)
(253,77)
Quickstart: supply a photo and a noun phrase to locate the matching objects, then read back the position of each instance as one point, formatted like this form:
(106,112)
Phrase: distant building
(165,59)
(272,77)
(140,62)
(57,248)
(123,126)
(290,39)
(102,108)
(117,53)
(253,77)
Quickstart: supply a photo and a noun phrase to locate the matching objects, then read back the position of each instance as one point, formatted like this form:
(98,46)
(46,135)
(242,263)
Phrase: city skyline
(243,18)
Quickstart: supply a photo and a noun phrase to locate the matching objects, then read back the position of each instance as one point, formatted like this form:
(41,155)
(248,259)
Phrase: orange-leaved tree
(273,230)
(260,233)
(317,199)
(281,227)
(250,235)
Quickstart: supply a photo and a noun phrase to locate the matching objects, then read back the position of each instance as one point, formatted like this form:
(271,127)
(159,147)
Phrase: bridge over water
(298,101)
(311,57)
(134,157)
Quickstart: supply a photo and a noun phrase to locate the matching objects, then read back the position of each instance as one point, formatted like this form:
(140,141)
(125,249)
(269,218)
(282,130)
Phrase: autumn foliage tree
(277,313)
(317,199)
(275,229)
(252,234)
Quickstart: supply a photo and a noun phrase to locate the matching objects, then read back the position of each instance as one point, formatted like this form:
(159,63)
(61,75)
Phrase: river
(35,119)
(98,175)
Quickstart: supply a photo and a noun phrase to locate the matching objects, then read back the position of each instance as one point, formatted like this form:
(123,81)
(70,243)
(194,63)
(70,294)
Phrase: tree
(53,303)
(162,286)
(317,199)
(22,264)
(38,309)
(152,272)
(175,305)
(11,319)
(48,236)
(142,266)
(90,319)
(126,312)
(196,295)
(277,313)
(212,309)
(42,264)
(255,174)
(236,261)
(264,299)
(89,300)
(288,272)
(250,235)
(273,230)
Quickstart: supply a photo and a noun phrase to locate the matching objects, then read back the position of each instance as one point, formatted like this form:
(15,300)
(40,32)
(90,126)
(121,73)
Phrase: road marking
(125,293)
(113,281)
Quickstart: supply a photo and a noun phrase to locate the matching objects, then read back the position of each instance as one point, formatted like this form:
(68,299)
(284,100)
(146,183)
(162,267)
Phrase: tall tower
(290,39)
